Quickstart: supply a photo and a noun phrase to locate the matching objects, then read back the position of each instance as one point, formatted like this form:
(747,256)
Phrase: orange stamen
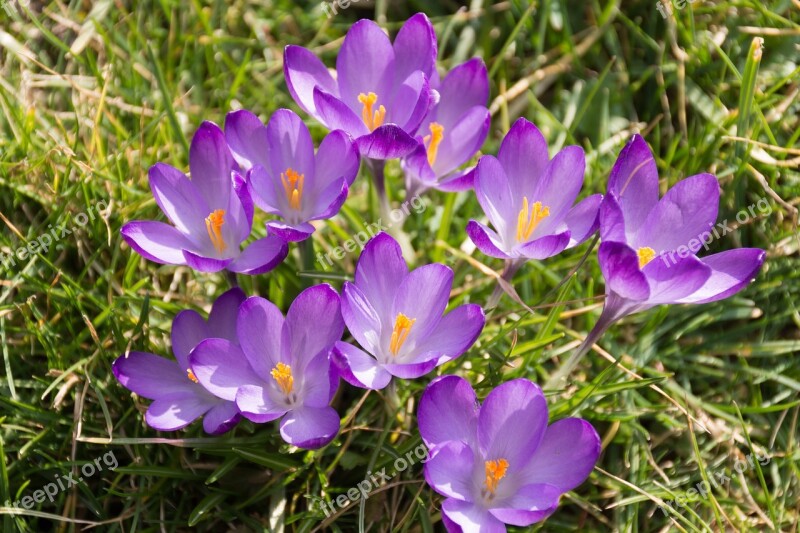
(402,328)
(371,118)
(214,223)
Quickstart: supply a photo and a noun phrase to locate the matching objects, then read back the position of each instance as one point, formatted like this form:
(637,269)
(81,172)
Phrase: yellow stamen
(528,219)
(371,118)
(282,374)
(435,138)
(191,375)
(646,254)
(293,185)
(214,223)
(495,471)
(402,327)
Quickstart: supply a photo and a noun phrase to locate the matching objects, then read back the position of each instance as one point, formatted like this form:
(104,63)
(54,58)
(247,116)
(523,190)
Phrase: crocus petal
(242,190)
(361,318)
(386,142)
(523,155)
(582,219)
(221,418)
(449,471)
(315,387)
(221,368)
(256,404)
(512,422)
(378,272)
(205,264)
(337,158)
(464,87)
(682,216)
(247,139)
(566,456)
(467,517)
(416,168)
(412,101)
(179,199)
(546,246)
(310,427)
(259,328)
(411,370)
(365,64)
(290,146)
(223,315)
(620,267)
(486,240)
(336,115)
(330,200)
(289,232)
(188,329)
(731,271)
(260,256)
(448,411)
(176,411)
(530,504)
(359,368)
(458,181)
(304,71)
(671,282)
(423,296)
(494,194)
(463,140)
(211,163)
(415,47)
(634,182)
(455,333)
(559,185)
(156,241)
(313,323)
(612,220)
(263,189)
(151,376)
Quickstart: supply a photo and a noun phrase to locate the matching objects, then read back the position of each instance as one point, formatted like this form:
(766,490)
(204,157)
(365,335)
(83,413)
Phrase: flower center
(435,138)
(528,219)
(214,223)
(372,119)
(495,471)
(191,375)
(282,374)
(646,254)
(293,185)
(402,327)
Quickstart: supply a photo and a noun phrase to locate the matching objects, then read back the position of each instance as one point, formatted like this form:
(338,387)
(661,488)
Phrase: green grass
(90,97)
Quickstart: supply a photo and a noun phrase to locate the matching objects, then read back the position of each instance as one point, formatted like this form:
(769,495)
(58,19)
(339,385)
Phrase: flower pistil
(293,185)
(282,374)
(433,140)
(214,223)
(495,471)
(402,328)
(528,219)
(371,118)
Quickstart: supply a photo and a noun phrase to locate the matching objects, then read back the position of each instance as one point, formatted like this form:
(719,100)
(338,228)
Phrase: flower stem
(556,380)
(376,168)
(233,281)
(511,268)
(306,248)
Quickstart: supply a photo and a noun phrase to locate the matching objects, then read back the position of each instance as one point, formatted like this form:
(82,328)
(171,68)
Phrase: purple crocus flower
(452,132)
(285,178)
(281,368)
(381,91)
(648,254)
(500,462)
(529,198)
(212,214)
(396,317)
(178,399)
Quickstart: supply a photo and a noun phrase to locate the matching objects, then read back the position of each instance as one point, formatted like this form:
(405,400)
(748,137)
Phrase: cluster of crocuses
(495,463)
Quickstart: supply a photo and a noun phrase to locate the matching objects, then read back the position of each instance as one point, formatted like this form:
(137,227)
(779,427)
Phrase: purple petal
(512,422)
(245,197)
(620,267)
(257,405)
(365,64)
(221,368)
(415,47)
(205,264)
(247,139)
(188,329)
(463,140)
(156,241)
(361,318)
(455,333)
(359,368)
(465,86)
(546,246)
(523,155)
(315,382)
(378,273)
(566,456)
(151,376)
(266,192)
(459,181)
(223,315)
(495,196)
(411,370)
(313,323)
(310,427)
(176,411)
(330,200)
(448,411)
(386,142)
(259,328)
(260,256)
(179,199)
(423,296)
(211,163)
(486,240)
(337,158)
(449,472)
(468,517)
(417,169)
(683,216)
(290,146)
(412,101)
(221,418)
(670,282)
(530,504)
(634,182)
(336,115)
(304,71)
(289,232)
(559,186)
(611,220)
(731,271)
(582,219)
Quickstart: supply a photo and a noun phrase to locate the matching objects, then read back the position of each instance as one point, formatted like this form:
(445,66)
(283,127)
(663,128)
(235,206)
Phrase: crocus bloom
(381,91)
(281,367)
(500,462)
(529,198)
(285,178)
(178,398)
(396,317)
(211,216)
(452,132)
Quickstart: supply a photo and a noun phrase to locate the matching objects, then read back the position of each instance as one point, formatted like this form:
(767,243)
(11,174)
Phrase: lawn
(697,406)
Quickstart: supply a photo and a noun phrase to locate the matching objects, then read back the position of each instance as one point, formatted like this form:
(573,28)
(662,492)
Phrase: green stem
(556,380)
(306,248)
(376,168)
(511,268)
